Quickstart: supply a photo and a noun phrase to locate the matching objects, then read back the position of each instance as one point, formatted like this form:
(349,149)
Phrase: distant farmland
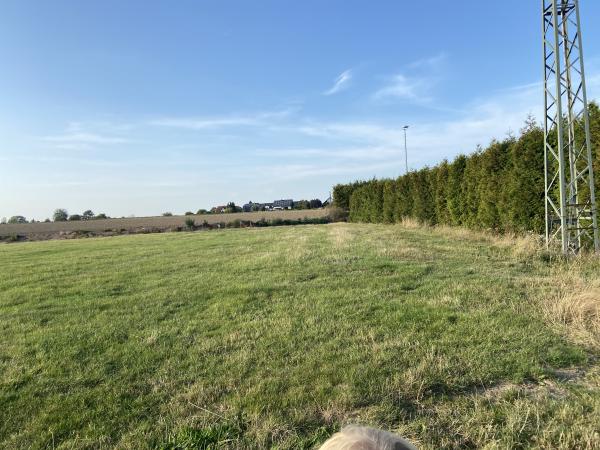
(46,230)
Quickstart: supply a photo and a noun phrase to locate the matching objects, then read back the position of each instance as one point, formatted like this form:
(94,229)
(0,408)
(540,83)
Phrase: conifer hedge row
(499,188)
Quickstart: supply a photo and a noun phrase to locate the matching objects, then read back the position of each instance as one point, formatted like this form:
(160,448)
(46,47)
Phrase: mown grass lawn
(274,338)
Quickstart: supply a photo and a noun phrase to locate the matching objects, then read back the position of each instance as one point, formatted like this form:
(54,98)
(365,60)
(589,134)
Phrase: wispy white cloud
(342,82)
(338,153)
(415,83)
(81,137)
(429,142)
(433,62)
(405,88)
(84,138)
(296,171)
(239,120)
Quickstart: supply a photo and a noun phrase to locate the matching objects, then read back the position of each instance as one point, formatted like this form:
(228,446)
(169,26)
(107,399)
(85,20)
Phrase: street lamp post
(405,148)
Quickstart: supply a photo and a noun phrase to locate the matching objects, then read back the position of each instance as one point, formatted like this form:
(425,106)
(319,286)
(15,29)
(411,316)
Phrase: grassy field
(274,338)
(132,223)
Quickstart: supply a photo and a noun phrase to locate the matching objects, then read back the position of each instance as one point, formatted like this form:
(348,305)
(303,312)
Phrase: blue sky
(140,107)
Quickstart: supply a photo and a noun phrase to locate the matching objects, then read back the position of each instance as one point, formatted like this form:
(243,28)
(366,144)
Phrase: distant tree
(302,204)
(47,220)
(88,215)
(202,211)
(3,220)
(60,215)
(189,213)
(17,219)
(74,217)
(316,203)
(101,216)
(232,208)
(167,214)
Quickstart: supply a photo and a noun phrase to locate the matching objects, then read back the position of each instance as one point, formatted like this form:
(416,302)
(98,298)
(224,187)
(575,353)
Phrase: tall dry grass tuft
(578,312)
(409,222)
(521,245)
(462,233)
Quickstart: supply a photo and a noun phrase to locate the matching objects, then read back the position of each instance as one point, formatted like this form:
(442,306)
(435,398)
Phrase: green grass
(274,338)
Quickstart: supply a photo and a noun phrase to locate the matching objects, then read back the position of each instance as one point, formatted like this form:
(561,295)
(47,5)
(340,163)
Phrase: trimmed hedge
(499,188)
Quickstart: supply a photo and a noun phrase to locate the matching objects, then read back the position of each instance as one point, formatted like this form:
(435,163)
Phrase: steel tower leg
(570,190)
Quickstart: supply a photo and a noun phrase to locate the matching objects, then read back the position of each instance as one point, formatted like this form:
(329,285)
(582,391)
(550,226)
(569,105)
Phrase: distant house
(283,204)
(276,205)
(252,207)
(218,209)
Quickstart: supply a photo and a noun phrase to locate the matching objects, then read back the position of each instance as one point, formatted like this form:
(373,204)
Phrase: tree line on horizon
(59,215)
(499,188)
(62,215)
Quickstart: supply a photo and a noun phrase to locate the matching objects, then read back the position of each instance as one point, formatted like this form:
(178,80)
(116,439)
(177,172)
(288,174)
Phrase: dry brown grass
(521,245)
(571,304)
(577,309)
(410,223)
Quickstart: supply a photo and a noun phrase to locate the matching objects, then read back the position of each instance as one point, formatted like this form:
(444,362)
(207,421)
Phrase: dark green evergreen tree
(441,196)
(456,200)
(472,189)
(526,208)
(389,201)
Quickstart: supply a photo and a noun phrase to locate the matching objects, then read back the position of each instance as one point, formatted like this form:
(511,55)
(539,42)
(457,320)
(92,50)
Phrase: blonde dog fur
(363,438)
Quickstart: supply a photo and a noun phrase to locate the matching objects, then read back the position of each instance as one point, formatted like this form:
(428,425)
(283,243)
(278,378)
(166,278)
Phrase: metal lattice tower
(570,198)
